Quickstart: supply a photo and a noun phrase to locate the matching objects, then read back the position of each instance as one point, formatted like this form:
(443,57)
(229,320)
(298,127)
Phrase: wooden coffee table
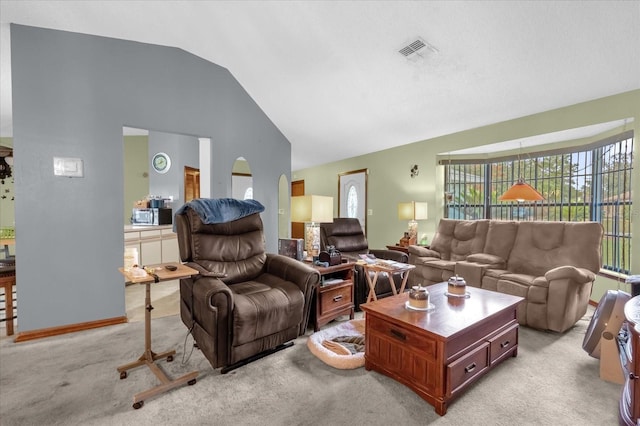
(439,353)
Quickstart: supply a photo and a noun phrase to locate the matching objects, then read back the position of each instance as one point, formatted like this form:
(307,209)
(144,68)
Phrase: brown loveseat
(551,264)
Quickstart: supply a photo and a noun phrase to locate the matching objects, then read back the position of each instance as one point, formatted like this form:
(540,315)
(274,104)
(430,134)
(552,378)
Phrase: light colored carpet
(72,380)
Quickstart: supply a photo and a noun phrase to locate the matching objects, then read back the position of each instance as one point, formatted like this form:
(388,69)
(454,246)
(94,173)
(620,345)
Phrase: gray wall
(72,94)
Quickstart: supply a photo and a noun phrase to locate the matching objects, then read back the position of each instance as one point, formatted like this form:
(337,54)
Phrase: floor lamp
(312,210)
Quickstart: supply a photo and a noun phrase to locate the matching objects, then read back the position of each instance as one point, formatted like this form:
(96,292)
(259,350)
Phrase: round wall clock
(161,162)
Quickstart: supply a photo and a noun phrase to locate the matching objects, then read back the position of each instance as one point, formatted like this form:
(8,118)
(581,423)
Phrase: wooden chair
(7,281)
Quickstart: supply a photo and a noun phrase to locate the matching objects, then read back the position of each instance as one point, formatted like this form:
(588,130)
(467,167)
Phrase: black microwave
(151,216)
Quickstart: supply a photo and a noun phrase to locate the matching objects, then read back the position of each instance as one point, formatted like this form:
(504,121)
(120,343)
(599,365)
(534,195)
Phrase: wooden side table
(335,293)
(149,357)
(403,249)
(7,281)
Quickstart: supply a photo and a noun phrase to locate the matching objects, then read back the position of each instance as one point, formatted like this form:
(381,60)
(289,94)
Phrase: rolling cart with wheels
(149,357)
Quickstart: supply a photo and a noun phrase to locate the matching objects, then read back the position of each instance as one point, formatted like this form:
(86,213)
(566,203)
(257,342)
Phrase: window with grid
(593,184)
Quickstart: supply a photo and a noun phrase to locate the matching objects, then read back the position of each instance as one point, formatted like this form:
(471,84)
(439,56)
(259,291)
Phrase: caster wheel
(138,404)
(191,382)
(170,358)
(123,375)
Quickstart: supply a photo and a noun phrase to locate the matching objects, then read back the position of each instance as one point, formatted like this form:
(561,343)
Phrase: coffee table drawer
(406,338)
(466,368)
(503,343)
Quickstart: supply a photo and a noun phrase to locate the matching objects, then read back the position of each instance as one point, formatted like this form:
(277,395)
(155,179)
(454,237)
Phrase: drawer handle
(504,344)
(470,368)
(398,335)
(337,298)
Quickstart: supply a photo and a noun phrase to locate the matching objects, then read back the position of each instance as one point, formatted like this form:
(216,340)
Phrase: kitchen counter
(138,228)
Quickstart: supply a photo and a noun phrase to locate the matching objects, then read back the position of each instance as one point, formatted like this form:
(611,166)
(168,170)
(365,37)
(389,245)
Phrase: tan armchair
(246,303)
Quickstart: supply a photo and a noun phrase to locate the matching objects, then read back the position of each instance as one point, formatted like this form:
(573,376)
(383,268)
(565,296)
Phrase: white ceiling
(329,74)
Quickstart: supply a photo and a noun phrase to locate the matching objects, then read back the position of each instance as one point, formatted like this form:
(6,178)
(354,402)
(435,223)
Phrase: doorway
(173,180)
(297,228)
(191,183)
(352,196)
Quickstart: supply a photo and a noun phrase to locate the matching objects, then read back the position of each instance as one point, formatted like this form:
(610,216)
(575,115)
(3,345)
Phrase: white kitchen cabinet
(150,247)
(155,244)
(170,252)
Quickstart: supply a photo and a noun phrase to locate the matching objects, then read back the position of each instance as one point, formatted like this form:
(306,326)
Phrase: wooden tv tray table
(378,268)
(439,353)
(149,357)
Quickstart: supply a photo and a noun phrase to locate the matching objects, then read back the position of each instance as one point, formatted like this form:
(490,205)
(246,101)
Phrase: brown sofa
(551,264)
(346,235)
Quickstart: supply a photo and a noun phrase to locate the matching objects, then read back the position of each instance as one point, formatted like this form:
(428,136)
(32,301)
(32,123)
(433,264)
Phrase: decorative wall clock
(161,162)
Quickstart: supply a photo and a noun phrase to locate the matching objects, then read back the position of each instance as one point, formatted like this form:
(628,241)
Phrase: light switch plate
(68,167)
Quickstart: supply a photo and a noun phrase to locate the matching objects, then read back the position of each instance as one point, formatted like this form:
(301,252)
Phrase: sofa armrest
(490,260)
(568,296)
(423,252)
(299,273)
(579,275)
(396,255)
(306,277)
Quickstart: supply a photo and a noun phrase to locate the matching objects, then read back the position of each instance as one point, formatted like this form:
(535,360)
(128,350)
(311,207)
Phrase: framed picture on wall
(352,195)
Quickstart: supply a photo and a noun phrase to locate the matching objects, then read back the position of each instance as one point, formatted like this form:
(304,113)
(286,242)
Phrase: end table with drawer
(335,293)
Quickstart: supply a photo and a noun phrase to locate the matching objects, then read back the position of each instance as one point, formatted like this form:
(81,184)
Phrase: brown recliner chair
(347,237)
(245,303)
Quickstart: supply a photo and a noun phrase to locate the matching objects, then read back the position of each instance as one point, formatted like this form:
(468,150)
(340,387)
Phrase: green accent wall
(390,183)
(136,172)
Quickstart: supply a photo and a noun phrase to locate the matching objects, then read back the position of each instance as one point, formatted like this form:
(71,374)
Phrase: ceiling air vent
(417,48)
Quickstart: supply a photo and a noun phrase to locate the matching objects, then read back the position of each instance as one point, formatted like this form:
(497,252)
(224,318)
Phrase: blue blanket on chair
(221,210)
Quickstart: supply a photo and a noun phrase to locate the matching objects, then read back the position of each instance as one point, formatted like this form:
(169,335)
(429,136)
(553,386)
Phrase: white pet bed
(343,362)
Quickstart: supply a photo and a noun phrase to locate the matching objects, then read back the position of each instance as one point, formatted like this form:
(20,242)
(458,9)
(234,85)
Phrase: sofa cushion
(489,260)
(500,237)
(456,239)
(447,265)
(424,260)
(541,246)
(263,308)
(519,278)
(235,248)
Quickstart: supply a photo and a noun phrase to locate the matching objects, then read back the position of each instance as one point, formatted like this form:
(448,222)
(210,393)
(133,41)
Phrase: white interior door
(353,196)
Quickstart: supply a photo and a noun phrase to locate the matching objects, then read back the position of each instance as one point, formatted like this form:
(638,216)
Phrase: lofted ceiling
(329,73)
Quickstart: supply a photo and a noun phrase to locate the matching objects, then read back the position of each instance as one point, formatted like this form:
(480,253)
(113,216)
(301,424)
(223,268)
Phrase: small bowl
(171,267)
